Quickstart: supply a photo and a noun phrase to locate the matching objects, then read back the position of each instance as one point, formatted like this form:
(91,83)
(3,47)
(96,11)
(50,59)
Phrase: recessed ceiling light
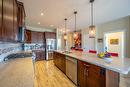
(51,25)
(38,23)
(42,14)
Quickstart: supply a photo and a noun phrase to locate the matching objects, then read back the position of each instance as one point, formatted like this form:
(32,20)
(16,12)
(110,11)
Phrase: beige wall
(122,24)
(87,43)
(60,40)
(70,40)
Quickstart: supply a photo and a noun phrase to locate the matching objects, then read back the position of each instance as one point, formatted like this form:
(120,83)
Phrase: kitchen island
(17,72)
(93,71)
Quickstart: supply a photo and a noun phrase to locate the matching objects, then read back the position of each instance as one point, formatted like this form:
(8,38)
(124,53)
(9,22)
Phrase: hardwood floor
(47,75)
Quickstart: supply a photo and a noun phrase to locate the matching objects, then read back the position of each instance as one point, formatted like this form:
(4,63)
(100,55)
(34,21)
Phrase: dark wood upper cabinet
(34,37)
(40,37)
(1,20)
(28,36)
(47,35)
(21,14)
(91,75)
(8,20)
(15,21)
(53,35)
(50,35)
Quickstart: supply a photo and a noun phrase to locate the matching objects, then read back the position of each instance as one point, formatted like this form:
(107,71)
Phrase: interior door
(114,43)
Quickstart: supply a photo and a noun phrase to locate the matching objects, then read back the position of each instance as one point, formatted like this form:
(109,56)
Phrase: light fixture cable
(75,20)
(92,15)
(92,26)
(65,35)
(65,24)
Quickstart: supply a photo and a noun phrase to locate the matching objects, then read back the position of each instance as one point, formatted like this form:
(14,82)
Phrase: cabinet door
(50,35)
(47,35)
(90,75)
(82,78)
(15,21)
(39,55)
(95,76)
(34,37)
(21,14)
(55,58)
(8,20)
(28,36)
(61,62)
(53,35)
(1,20)
(40,37)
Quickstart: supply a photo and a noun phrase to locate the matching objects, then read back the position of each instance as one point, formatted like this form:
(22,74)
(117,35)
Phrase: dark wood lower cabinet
(60,61)
(39,55)
(90,75)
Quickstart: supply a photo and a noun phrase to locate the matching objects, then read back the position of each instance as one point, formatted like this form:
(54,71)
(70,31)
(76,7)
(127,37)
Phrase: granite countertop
(24,51)
(17,73)
(118,65)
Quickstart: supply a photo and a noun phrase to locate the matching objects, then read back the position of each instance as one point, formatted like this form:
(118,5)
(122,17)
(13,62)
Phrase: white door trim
(114,31)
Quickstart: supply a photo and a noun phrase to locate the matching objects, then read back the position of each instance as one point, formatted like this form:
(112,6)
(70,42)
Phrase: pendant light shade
(75,32)
(92,31)
(65,35)
(92,28)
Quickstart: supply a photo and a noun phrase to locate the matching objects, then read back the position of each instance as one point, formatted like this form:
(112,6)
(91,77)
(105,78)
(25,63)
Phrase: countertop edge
(98,64)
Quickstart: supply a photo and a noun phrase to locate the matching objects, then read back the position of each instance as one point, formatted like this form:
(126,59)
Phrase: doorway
(114,43)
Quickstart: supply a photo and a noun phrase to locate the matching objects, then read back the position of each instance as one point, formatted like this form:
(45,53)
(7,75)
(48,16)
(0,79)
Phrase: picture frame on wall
(114,41)
(100,40)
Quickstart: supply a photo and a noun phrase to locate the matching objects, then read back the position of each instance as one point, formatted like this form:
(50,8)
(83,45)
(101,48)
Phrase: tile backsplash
(28,47)
(8,48)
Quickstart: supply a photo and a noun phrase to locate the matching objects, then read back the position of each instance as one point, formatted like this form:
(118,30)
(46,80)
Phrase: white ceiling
(56,10)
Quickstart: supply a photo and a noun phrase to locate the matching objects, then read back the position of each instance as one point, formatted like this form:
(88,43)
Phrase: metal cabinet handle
(86,65)
(86,72)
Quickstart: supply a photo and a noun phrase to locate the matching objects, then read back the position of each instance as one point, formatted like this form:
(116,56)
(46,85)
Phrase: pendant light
(75,32)
(65,35)
(92,30)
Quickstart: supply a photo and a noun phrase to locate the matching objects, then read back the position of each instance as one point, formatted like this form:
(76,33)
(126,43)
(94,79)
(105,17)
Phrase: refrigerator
(50,47)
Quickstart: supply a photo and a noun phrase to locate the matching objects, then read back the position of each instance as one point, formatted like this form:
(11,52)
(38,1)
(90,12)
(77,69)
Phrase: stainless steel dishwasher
(71,69)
